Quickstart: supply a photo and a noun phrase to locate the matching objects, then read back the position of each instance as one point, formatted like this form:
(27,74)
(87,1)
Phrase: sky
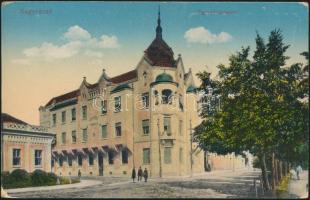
(48,47)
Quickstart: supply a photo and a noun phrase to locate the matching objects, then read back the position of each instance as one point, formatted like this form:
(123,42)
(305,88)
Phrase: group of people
(140,174)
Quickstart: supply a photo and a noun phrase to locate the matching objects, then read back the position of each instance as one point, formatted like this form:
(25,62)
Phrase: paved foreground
(218,184)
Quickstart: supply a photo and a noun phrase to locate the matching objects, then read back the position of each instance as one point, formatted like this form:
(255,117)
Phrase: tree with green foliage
(261,109)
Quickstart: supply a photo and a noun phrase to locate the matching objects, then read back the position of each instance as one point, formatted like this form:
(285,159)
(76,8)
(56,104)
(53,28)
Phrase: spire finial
(159,12)
(158,28)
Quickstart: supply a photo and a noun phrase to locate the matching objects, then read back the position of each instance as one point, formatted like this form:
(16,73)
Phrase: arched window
(166,96)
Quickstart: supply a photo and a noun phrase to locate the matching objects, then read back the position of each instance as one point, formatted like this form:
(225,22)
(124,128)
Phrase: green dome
(164,78)
(191,89)
(121,87)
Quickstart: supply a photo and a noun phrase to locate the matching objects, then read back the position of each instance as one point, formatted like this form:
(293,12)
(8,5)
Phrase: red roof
(124,77)
(117,79)
(8,118)
(64,97)
(160,53)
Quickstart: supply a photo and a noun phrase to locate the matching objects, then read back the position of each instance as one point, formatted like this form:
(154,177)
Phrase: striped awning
(77,151)
(58,153)
(114,148)
(88,150)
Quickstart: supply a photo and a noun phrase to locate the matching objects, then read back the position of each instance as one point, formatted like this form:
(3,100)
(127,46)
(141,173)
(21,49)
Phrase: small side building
(24,146)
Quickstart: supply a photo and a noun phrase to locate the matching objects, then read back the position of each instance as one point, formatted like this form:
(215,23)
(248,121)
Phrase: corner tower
(159,53)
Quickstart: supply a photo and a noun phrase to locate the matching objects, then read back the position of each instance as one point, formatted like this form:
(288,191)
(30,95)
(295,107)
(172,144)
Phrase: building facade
(24,146)
(226,162)
(141,118)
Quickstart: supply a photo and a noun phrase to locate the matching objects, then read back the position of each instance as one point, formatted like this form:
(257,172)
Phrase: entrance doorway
(100,163)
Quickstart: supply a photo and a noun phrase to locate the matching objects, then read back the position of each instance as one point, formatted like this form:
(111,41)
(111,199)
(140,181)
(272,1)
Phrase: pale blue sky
(130,28)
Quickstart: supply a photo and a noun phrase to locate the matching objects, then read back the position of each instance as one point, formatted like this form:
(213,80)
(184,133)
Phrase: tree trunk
(264,172)
(285,169)
(280,170)
(276,171)
(273,172)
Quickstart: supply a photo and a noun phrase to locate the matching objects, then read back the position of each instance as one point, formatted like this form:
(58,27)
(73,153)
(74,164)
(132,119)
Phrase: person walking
(79,174)
(133,175)
(140,172)
(145,174)
(298,171)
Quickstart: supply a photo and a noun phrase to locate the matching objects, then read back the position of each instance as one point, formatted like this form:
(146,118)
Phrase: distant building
(24,146)
(139,118)
(226,162)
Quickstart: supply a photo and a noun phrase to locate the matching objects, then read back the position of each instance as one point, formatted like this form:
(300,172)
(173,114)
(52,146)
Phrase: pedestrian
(140,172)
(79,174)
(145,174)
(298,171)
(133,175)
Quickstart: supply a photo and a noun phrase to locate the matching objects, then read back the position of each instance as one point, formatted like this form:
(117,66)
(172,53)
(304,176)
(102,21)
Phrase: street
(297,188)
(217,184)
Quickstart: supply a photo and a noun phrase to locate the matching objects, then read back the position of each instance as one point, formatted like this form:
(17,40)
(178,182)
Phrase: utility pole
(191,153)
(159,152)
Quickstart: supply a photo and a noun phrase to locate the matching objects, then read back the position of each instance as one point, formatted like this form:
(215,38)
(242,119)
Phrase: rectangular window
(73,136)
(167,155)
(63,116)
(117,104)
(181,155)
(52,162)
(60,161)
(167,122)
(84,135)
(69,161)
(146,126)
(73,114)
(146,156)
(104,107)
(63,138)
(180,127)
(124,156)
(90,159)
(16,157)
(80,160)
(118,129)
(111,157)
(37,157)
(54,119)
(145,100)
(104,131)
(84,112)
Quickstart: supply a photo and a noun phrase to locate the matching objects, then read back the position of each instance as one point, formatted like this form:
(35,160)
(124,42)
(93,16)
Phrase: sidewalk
(298,188)
(82,184)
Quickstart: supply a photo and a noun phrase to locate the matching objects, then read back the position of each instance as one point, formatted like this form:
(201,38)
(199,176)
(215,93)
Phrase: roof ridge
(62,95)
